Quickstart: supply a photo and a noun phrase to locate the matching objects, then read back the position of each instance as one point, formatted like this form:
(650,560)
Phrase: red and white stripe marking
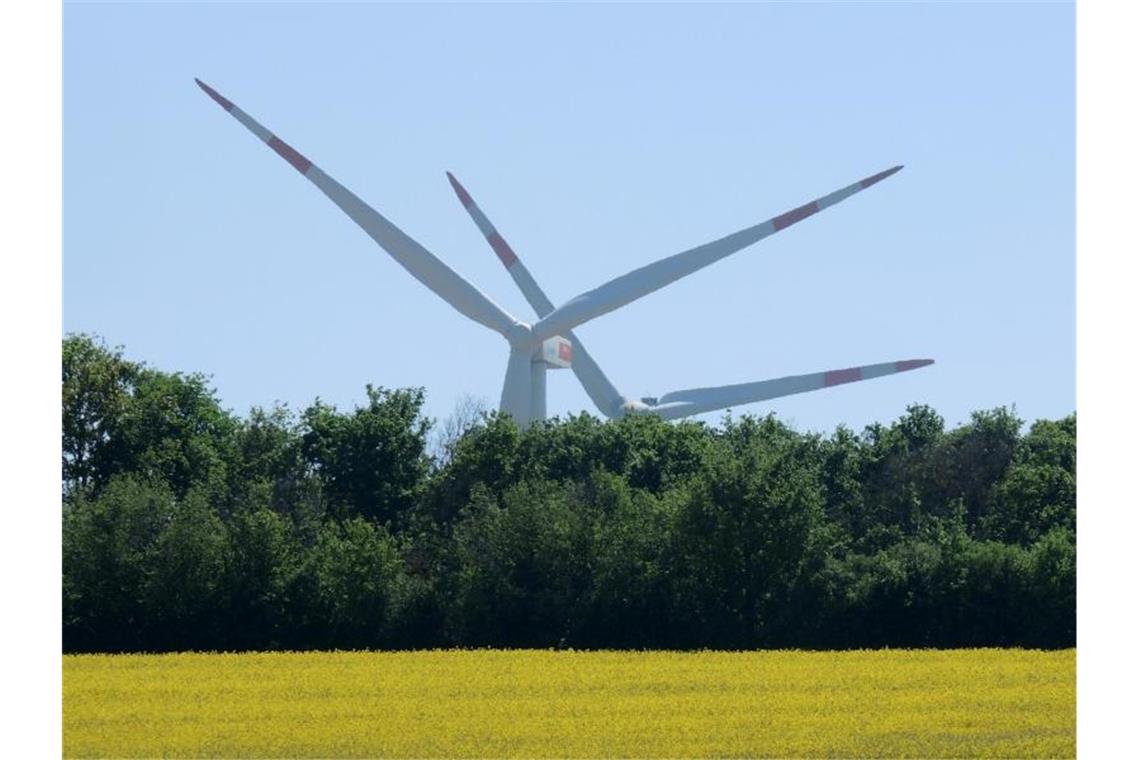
(282,148)
(507,255)
(501,247)
(855,374)
(840,376)
(803,212)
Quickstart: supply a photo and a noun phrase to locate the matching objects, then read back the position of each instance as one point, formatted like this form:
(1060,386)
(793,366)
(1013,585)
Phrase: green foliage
(1051,442)
(373,461)
(187,527)
(345,585)
(977,457)
(1053,591)
(120,417)
(520,567)
(185,576)
(486,458)
(263,565)
(1039,491)
(269,470)
(742,530)
(108,545)
(647,451)
(628,595)
(1029,501)
(174,431)
(97,385)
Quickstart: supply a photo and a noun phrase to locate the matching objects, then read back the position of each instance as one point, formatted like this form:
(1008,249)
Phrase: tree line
(188,527)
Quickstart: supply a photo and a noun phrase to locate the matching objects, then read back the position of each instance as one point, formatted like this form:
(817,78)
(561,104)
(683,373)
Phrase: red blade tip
(214,94)
(461,191)
(909,364)
(880,176)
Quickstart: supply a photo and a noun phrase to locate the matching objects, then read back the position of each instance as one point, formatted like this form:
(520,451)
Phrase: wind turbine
(534,347)
(674,404)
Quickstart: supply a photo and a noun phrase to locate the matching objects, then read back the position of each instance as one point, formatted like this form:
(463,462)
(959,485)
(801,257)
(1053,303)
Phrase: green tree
(1039,491)
(263,563)
(843,459)
(487,457)
(1052,596)
(372,461)
(628,603)
(975,458)
(270,470)
(742,535)
(521,569)
(120,417)
(902,478)
(97,387)
(1052,442)
(185,578)
(108,548)
(1030,501)
(175,431)
(346,586)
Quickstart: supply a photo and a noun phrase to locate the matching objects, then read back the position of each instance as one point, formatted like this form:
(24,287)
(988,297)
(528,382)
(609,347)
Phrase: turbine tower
(550,342)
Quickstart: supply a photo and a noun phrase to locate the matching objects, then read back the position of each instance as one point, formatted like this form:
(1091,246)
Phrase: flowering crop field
(509,703)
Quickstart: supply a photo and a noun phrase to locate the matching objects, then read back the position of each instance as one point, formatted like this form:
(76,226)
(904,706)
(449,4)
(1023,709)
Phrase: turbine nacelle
(557,353)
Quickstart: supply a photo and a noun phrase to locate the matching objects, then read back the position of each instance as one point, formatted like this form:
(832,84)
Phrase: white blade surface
(629,287)
(598,387)
(420,263)
(697,400)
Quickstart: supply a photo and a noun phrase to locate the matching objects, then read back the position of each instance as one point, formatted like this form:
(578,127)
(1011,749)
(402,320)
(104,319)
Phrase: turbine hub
(519,336)
(633,406)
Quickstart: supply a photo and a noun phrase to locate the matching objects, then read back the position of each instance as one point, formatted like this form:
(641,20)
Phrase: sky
(597,138)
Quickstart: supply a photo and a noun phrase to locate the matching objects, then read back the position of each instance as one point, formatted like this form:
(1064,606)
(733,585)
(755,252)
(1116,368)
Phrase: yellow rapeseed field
(491,703)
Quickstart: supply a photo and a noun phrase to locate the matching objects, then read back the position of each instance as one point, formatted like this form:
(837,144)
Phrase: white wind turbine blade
(629,287)
(677,404)
(598,387)
(420,263)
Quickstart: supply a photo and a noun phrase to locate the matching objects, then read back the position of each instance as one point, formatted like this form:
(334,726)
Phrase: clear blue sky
(597,138)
